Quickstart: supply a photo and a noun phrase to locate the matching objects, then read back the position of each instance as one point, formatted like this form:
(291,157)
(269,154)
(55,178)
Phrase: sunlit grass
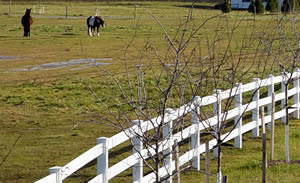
(53,113)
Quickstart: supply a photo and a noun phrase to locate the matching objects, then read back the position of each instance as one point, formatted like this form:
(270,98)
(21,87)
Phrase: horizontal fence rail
(101,150)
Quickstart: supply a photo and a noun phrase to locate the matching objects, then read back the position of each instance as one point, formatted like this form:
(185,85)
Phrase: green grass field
(48,115)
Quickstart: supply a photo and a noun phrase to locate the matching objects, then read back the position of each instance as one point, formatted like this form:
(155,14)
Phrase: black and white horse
(27,22)
(94,22)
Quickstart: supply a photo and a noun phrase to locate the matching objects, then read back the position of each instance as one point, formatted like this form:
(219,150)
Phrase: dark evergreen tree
(226,8)
(251,7)
(260,9)
(272,6)
(290,5)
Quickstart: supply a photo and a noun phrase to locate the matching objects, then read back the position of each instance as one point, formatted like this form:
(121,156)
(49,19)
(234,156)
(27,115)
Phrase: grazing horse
(94,22)
(26,22)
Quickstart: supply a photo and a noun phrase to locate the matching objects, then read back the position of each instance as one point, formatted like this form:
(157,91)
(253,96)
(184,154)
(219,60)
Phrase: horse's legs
(98,32)
(93,31)
(90,31)
(26,31)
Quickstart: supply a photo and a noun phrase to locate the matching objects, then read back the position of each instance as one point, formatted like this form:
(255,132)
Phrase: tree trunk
(219,175)
(287,156)
(157,163)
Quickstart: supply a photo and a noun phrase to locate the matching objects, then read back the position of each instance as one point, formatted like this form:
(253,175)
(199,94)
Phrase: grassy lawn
(48,115)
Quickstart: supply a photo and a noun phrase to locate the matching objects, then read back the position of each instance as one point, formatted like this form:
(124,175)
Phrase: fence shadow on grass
(197,7)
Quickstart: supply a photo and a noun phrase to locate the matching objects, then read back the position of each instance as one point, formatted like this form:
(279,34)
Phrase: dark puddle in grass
(76,64)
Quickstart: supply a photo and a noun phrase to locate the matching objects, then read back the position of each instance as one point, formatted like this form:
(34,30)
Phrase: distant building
(244,4)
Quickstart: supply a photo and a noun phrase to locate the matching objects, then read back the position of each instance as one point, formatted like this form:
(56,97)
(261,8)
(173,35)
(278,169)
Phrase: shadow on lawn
(197,7)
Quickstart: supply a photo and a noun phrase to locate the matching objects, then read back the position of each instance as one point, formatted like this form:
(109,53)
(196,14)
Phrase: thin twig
(9,152)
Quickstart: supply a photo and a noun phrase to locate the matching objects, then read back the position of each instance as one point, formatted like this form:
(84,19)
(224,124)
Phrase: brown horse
(27,22)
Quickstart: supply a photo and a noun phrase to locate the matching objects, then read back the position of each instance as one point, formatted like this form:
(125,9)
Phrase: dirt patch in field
(76,64)
(7,57)
(281,162)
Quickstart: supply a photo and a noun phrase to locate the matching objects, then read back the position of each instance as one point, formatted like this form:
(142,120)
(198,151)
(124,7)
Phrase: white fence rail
(101,150)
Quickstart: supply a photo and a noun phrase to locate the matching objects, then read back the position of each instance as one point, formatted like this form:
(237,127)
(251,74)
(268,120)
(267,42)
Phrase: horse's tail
(30,21)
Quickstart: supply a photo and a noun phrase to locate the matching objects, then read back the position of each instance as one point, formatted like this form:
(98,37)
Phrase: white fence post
(195,138)
(167,135)
(219,177)
(255,112)
(238,102)
(271,90)
(217,111)
(296,96)
(137,169)
(102,160)
(57,171)
(284,77)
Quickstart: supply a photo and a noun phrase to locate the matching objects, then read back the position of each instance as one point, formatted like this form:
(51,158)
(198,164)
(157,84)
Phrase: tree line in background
(288,6)
(257,7)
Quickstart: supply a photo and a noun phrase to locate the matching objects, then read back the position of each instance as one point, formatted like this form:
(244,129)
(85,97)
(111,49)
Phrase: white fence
(101,150)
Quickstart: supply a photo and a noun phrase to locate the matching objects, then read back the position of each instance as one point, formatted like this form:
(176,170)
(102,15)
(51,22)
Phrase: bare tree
(179,71)
(229,68)
(154,86)
(284,49)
